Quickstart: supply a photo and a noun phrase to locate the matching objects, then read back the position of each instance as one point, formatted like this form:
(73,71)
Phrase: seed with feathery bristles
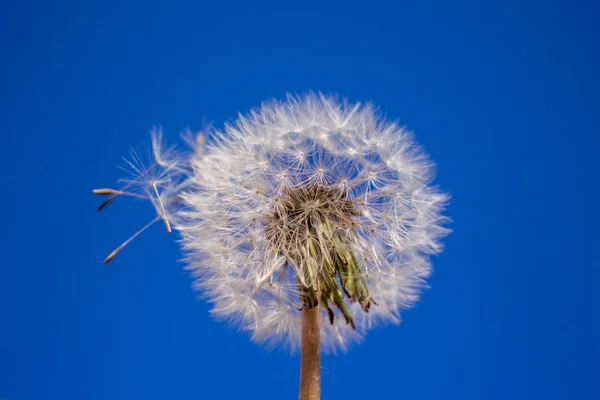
(161,180)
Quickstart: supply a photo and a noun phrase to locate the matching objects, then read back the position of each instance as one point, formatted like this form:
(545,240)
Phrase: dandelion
(306,222)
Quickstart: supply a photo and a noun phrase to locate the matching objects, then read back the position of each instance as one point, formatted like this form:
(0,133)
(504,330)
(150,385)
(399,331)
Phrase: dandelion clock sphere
(305,216)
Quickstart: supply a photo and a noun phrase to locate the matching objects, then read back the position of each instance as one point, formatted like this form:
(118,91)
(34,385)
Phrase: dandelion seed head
(303,202)
(309,201)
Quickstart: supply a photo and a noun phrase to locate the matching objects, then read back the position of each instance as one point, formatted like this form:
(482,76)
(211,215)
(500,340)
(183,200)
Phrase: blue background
(503,95)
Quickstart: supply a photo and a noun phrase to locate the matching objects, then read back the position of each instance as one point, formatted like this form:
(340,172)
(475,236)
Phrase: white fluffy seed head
(307,196)
(303,202)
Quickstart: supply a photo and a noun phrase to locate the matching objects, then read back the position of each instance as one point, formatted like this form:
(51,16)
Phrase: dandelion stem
(310,362)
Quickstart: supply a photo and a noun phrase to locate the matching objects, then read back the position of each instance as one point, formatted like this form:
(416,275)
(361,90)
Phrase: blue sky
(503,95)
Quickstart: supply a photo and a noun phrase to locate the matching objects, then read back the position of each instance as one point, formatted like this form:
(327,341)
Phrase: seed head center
(313,225)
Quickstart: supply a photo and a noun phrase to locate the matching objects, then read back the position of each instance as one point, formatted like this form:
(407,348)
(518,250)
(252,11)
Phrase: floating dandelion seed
(306,221)
(159,179)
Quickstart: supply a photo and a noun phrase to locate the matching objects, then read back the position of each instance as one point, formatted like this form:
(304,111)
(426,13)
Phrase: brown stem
(310,361)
